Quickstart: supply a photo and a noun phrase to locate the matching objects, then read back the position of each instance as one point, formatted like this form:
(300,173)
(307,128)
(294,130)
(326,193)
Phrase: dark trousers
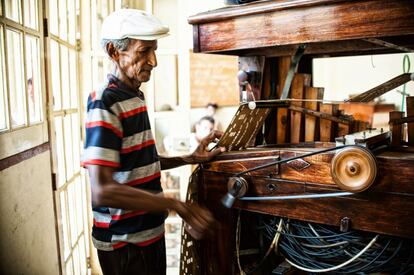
(132,259)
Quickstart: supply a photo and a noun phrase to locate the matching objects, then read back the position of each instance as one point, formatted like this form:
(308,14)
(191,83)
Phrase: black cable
(322,247)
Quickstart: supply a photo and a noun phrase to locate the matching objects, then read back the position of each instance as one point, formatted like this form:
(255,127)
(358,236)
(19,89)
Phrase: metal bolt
(271,187)
(345,224)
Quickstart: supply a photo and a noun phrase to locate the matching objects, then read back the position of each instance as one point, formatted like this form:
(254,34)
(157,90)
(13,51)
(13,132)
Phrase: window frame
(25,137)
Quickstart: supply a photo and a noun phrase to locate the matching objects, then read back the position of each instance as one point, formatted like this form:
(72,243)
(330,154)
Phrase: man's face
(138,60)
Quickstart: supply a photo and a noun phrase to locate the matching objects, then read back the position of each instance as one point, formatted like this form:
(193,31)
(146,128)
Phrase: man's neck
(134,84)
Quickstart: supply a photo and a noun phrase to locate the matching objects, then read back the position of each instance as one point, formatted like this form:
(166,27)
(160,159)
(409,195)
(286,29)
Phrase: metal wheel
(354,169)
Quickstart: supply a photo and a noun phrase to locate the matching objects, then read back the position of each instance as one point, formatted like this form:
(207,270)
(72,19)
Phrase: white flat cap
(135,24)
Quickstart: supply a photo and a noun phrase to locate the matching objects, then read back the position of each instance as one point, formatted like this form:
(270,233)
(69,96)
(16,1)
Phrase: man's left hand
(201,153)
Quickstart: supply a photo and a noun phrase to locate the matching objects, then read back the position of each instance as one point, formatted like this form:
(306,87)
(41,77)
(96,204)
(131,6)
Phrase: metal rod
(292,158)
(293,197)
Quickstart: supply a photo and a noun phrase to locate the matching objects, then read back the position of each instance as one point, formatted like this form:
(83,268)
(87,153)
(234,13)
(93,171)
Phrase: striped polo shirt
(118,134)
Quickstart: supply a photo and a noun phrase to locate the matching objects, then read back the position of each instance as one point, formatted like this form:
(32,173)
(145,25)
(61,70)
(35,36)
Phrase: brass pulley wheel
(354,169)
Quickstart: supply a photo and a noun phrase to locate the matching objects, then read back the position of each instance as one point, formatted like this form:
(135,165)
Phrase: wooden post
(326,126)
(282,113)
(343,129)
(410,112)
(310,121)
(396,130)
(300,81)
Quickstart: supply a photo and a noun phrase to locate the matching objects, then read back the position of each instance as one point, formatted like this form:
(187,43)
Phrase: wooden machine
(306,188)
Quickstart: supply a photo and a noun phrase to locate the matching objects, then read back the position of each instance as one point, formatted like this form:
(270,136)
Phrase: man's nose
(152,59)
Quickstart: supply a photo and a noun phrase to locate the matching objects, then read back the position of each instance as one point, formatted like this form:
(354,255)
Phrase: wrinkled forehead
(136,44)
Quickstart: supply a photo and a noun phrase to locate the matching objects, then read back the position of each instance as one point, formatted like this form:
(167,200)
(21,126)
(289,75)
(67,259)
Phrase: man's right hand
(199,221)
(108,193)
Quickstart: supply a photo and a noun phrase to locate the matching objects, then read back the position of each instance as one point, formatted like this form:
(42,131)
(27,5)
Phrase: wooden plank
(325,125)
(252,9)
(383,88)
(300,81)
(320,23)
(321,115)
(396,130)
(342,128)
(282,123)
(363,212)
(282,113)
(310,121)
(410,112)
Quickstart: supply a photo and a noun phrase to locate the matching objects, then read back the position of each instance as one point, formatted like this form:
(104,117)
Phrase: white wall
(175,13)
(28,238)
(343,76)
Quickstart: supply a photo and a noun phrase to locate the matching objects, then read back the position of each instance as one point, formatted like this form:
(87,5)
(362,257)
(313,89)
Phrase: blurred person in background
(211,110)
(203,128)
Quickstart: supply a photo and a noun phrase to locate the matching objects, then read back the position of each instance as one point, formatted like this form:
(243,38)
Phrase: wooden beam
(323,115)
(316,23)
(396,129)
(386,44)
(282,113)
(402,120)
(330,48)
(383,88)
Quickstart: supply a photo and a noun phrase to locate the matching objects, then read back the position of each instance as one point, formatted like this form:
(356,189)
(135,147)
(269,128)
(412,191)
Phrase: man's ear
(112,52)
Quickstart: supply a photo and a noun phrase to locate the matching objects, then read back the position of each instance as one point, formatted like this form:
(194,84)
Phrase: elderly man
(120,155)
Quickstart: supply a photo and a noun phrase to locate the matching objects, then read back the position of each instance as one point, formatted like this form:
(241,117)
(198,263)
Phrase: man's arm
(109,193)
(198,156)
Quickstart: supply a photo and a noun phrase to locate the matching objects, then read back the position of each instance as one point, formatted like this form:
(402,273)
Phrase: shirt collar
(124,87)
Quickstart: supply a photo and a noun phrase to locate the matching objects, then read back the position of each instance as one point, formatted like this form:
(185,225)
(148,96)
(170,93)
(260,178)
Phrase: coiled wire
(319,248)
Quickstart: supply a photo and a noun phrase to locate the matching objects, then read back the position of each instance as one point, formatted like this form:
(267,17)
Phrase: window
(16,78)
(55,74)
(3,99)
(14,10)
(53,17)
(63,23)
(30,14)
(66,137)
(33,77)
(22,89)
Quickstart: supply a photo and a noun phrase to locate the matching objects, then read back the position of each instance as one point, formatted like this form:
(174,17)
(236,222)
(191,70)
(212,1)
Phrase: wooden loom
(304,124)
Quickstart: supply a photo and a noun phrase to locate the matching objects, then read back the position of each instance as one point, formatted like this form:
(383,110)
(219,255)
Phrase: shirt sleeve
(103,135)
